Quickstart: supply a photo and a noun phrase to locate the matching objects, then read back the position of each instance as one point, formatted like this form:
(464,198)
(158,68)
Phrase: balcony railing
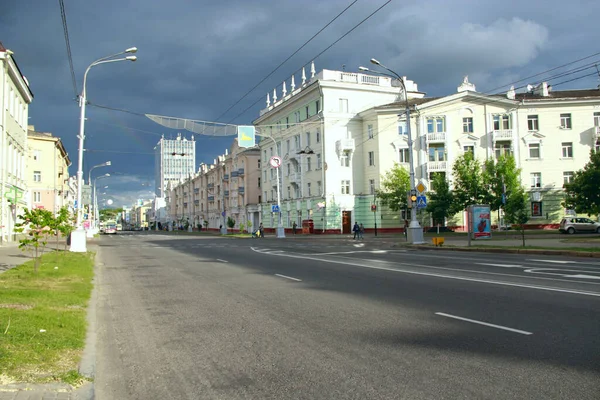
(433,166)
(344,145)
(226,177)
(241,190)
(506,134)
(240,171)
(227,193)
(234,210)
(210,185)
(295,177)
(436,137)
(196,202)
(196,190)
(234,174)
(211,198)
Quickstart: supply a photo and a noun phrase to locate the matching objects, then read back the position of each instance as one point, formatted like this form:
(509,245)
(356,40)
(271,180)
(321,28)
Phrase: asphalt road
(217,318)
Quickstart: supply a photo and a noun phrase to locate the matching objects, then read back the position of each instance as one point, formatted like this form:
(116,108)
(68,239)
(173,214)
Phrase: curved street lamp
(78,237)
(415,231)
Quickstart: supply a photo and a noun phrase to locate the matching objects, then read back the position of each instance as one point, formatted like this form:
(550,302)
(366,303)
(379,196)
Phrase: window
(319,187)
(597,147)
(318,105)
(597,119)
(259,181)
(289,193)
(318,136)
(567,177)
(372,186)
(265,155)
(297,116)
(567,150)
(308,187)
(402,128)
(258,164)
(272,197)
(308,139)
(345,160)
(308,164)
(371,158)
(501,122)
(403,156)
(533,123)
(345,187)
(287,122)
(370,131)
(534,150)
(36,155)
(468,125)
(502,149)
(307,113)
(297,192)
(37,197)
(436,124)
(469,149)
(343,105)
(536,179)
(565,121)
(37,176)
(437,153)
(318,161)
(536,208)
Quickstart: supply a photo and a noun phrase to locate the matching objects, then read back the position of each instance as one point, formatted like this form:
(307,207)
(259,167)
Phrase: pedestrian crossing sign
(421,201)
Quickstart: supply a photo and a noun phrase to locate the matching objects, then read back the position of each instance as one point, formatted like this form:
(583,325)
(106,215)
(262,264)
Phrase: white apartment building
(174,159)
(317,130)
(15,97)
(550,133)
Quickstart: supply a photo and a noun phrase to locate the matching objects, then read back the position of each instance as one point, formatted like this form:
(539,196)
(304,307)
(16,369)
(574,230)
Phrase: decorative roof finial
(312,69)
(293,85)
(268,100)
(274,96)
(303,76)
(284,90)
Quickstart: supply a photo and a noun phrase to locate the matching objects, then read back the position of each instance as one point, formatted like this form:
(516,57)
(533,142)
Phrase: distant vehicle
(110,227)
(575,224)
(119,227)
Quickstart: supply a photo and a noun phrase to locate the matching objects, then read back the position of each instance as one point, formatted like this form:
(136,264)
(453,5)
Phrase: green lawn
(43,318)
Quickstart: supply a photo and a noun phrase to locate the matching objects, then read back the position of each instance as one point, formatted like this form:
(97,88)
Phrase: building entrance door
(346,222)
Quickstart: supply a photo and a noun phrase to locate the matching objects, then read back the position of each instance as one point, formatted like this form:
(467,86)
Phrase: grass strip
(43,318)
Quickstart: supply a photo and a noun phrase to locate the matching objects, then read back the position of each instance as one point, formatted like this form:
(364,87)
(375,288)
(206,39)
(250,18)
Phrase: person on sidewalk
(294,226)
(261,232)
(361,231)
(356,230)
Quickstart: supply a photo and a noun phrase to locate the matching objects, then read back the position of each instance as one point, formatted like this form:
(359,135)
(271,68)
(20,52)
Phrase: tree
(395,186)
(63,224)
(583,193)
(516,210)
(440,200)
(468,182)
(230,222)
(500,178)
(37,224)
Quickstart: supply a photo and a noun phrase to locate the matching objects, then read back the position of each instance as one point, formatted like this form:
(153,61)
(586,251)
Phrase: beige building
(47,171)
(15,97)
(230,187)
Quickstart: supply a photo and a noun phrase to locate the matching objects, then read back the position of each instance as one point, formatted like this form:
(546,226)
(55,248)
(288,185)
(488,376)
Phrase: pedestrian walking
(261,232)
(361,231)
(294,226)
(356,230)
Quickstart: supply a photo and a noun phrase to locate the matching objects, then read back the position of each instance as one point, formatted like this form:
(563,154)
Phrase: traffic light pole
(415,232)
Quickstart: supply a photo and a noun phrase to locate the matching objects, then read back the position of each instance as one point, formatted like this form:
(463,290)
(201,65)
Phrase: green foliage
(468,182)
(583,193)
(441,200)
(230,222)
(63,224)
(242,227)
(395,186)
(205,224)
(110,213)
(37,225)
(498,174)
(516,210)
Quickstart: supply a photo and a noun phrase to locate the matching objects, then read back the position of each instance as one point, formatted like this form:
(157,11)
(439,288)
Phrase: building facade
(228,188)
(47,171)
(15,97)
(317,131)
(174,160)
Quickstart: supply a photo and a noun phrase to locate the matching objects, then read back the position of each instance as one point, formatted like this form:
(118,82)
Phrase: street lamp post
(95,200)
(93,211)
(415,231)
(78,237)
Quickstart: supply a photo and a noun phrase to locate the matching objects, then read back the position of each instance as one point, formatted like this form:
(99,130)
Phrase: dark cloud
(197,58)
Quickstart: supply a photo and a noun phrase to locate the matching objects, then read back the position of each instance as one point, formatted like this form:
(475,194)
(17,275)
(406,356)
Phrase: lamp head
(106,174)
(374,61)
(131,50)
(107,163)
(131,58)
(363,69)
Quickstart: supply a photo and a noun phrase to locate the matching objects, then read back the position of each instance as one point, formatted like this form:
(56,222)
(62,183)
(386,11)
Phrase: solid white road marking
(582,276)
(502,265)
(484,323)
(500,283)
(555,261)
(218,259)
(289,277)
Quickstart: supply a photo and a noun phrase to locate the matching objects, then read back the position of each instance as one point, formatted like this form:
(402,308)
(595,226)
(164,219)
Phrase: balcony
(196,202)
(234,174)
(241,190)
(196,190)
(240,171)
(234,210)
(211,198)
(506,134)
(436,137)
(295,178)
(184,205)
(436,166)
(226,177)
(294,150)
(344,145)
(273,180)
(210,185)
(226,193)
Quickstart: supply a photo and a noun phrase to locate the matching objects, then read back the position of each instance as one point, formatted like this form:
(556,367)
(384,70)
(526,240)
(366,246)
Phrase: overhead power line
(63,15)
(286,60)
(317,56)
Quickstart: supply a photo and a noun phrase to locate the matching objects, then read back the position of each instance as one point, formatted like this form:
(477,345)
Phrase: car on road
(576,224)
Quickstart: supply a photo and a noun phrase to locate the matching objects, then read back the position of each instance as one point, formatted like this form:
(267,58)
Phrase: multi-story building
(550,134)
(174,159)
(230,187)
(317,130)
(15,97)
(48,171)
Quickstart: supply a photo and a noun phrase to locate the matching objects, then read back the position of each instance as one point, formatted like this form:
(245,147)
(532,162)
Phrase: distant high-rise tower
(173,160)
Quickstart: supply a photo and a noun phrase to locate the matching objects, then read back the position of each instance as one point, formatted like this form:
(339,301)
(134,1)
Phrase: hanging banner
(482,224)
(246,136)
